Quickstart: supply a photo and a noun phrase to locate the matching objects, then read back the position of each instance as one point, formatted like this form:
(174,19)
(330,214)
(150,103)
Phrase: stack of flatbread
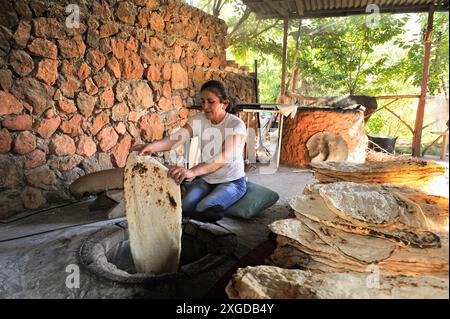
(345,233)
(402,172)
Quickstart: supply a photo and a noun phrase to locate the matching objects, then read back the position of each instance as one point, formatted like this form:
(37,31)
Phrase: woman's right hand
(143,149)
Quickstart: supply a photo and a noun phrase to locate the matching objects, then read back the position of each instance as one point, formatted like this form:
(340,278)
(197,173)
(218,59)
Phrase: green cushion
(256,199)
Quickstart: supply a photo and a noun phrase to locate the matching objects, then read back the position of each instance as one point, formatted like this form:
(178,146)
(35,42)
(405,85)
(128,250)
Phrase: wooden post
(256,83)
(417,138)
(280,136)
(283,66)
(294,72)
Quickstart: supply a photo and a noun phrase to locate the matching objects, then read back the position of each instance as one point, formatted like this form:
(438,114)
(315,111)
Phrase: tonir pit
(106,253)
(155,243)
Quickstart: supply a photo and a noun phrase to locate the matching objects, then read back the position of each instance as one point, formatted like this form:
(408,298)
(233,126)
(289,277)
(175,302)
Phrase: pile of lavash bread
(356,239)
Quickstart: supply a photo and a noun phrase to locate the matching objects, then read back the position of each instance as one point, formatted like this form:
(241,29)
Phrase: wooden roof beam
(277,7)
(300,7)
(349,12)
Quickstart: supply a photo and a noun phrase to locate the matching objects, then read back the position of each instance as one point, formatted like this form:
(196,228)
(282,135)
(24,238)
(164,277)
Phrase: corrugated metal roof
(295,9)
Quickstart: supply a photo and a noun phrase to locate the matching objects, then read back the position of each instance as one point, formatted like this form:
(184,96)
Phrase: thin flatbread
(153,209)
(435,208)
(363,204)
(98,182)
(371,205)
(265,282)
(365,249)
(313,207)
(402,172)
(292,231)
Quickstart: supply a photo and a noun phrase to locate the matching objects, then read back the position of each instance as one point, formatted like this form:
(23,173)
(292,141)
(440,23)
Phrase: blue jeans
(203,200)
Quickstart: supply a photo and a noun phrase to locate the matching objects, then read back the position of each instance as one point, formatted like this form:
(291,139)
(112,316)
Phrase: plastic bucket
(382,143)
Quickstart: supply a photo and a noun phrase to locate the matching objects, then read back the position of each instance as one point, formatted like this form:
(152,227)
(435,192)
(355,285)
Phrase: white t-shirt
(212,137)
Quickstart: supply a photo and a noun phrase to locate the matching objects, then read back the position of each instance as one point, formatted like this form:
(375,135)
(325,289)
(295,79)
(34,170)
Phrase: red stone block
(167,90)
(120,128)
(120,153)
(9,105)
(96,59)
(44,48)
(84,71)
(167,72)
(183,113)
(46,128)
(132,44)
(67,106)
(134,116)
(120,112)
(131,66)
(107,138)
(73,127)
(151,127)
(91,88)
(22,34)
(86,146)
(72,48)
(62,145)
(157,22)
(114,66)
(99,122)
(102,80)
(5,141)
(48,71)
(24,143)
(67,68)
(179,77)
(164,104)
(108,29)
(41,177)
(34,159)
(69,87)
(21,62)
(107,98)
(18,122)
(118,47)
(153,74)
(126,12)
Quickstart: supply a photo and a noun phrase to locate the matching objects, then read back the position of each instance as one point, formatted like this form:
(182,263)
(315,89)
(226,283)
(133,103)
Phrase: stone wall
(75,99)
(296,132)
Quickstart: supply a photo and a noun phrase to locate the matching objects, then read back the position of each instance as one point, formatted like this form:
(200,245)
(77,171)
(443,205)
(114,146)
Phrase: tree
(342,52)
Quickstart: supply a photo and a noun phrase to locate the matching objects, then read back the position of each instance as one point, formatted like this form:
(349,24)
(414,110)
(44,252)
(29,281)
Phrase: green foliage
(374,125)
(412,65)
(344,53)
(383,123)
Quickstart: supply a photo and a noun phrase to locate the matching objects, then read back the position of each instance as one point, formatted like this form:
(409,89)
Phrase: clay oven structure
(323,133)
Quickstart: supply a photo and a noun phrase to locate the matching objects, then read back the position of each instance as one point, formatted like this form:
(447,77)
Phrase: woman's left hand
(180,173)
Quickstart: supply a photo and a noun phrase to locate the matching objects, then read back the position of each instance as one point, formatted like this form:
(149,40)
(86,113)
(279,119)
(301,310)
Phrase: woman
(219,180)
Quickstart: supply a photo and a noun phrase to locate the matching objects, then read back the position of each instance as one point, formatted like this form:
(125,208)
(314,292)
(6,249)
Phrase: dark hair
(219,89)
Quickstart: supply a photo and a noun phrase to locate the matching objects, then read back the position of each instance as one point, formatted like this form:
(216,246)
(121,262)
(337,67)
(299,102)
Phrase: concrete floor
(38,253)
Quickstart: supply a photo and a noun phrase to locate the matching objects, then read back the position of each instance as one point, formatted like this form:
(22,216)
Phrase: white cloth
(211,138)
(287,110)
